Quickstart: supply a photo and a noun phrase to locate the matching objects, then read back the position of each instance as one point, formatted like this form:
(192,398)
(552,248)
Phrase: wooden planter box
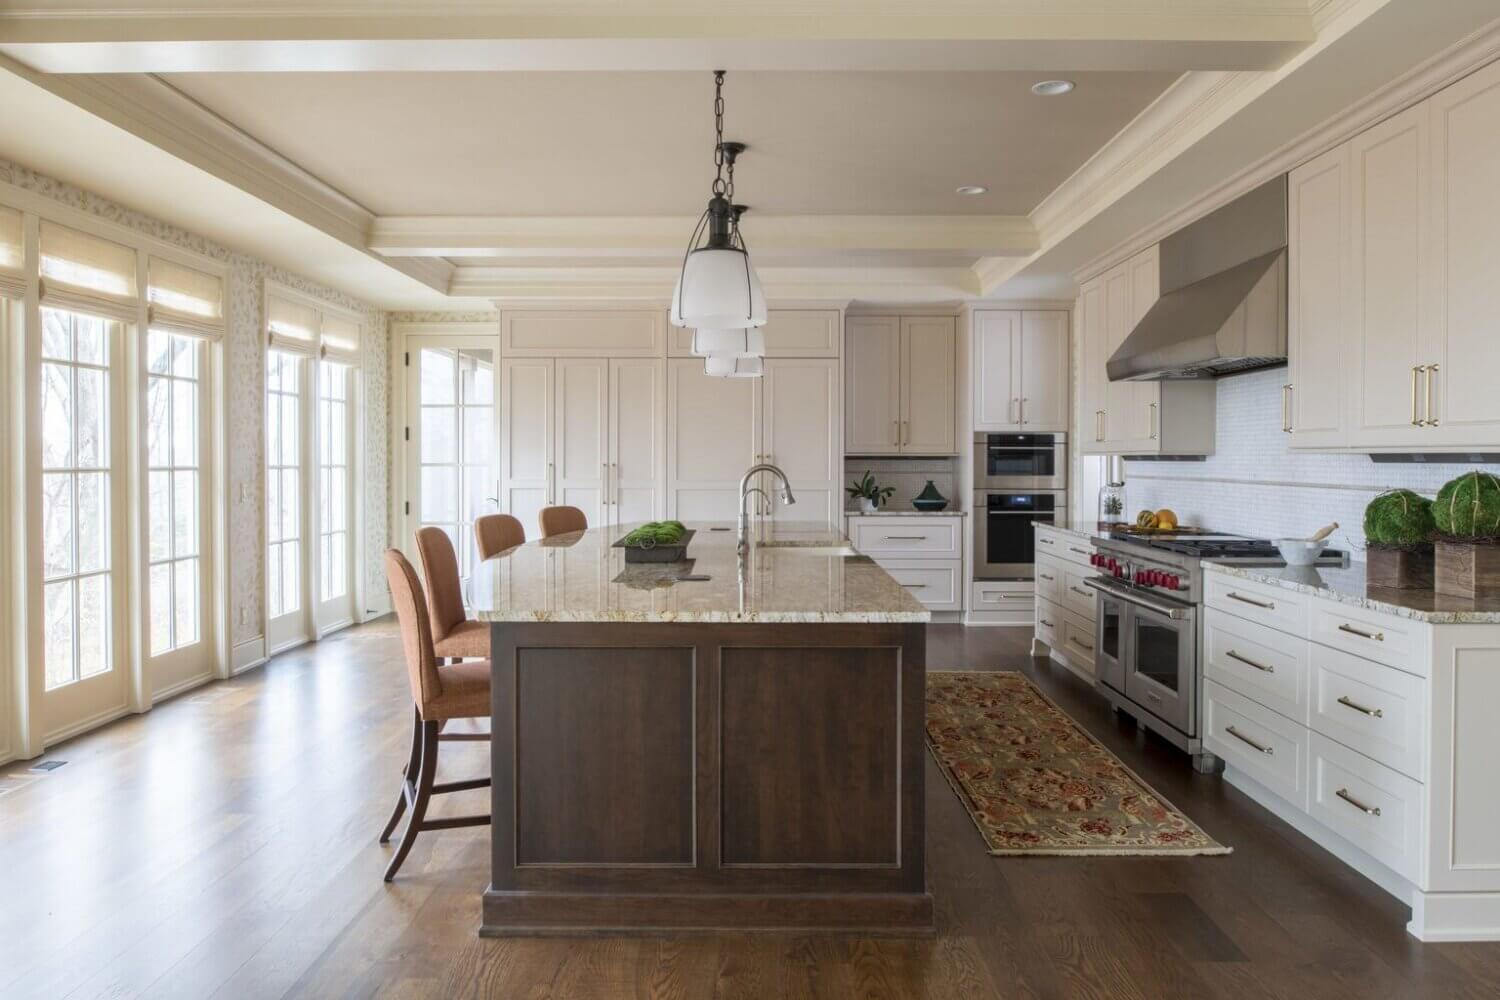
(1403,569)
(1468,569)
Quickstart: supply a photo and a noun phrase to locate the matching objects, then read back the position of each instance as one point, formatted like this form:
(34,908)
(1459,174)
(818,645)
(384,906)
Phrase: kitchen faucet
(746,490)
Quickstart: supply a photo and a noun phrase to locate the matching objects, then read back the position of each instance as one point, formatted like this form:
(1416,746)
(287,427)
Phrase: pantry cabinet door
(581,447)
(1094,343)
(1119,397)
(872,383)
(1388,236)
(929,349)
(799,434)
(1461,332)
(526,467)
(997,370)
(713,436)
(1313,407)
(1140,422)
(637,440)
(1044,371)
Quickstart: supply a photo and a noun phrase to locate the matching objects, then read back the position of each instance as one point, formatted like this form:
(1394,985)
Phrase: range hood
(1223,296)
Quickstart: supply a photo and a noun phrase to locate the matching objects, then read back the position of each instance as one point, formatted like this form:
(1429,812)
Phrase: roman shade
(291,326)
(12,255)
(85,273)
(340,338)
(184,299)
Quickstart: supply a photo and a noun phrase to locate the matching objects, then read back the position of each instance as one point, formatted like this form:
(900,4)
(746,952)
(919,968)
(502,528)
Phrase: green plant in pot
(1467,515)
(1398,531)
(866,495)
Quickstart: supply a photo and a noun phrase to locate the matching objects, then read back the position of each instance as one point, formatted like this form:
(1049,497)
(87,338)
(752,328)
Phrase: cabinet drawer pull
(1249,662)
(1047,623)
(915,586)
(1082,552)
(1415,371)
(1044,576)
(1374,713)
(1080,591)
(1377,636)
(1007,597)
(1046,541)
(1343,793)
(1261,747)
(906,538)
(1080,645)
(1268,605)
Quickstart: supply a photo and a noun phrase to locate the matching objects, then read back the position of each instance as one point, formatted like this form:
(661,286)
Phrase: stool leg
(408,776)
(423,793)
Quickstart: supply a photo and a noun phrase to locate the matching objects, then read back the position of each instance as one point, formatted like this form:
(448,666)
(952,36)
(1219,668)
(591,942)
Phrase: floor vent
(45,766)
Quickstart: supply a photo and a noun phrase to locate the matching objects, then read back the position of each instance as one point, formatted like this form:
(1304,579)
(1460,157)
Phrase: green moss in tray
(654,533)
(1469,506)
(1399,518)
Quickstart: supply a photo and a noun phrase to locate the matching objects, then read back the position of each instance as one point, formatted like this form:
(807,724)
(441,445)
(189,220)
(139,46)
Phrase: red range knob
(1175,582)
(1158,578)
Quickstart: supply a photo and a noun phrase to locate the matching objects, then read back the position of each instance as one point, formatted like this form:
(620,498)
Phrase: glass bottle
(1111,505)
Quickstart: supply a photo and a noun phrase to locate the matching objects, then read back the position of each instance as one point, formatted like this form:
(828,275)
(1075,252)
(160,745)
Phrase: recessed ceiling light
(972,189)
(1052,88)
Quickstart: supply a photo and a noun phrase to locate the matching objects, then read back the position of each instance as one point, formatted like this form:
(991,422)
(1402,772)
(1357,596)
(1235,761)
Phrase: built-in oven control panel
(1145,574)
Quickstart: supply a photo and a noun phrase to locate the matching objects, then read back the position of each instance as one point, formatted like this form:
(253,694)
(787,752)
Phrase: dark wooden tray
(658,554)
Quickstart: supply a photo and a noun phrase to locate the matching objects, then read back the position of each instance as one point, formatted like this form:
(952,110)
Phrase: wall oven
(1020,461)
(1004,540)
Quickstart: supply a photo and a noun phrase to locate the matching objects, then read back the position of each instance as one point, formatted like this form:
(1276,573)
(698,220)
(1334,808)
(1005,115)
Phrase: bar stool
(453,635)
(561,520)
(439,693)
(497,532)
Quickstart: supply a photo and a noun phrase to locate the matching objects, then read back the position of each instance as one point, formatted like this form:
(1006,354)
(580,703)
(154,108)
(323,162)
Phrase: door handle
(896,430)
(1415,371)
(551,480)
(1010,412)
(614,468)
(604,482)
(1286,408)
(1023,411)
(1153,424)
(1268,751)
(906,426)
(1098,425)
(1431,420)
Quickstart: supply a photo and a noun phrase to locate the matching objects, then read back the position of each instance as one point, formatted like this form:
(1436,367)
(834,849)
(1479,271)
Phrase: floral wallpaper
(244,376)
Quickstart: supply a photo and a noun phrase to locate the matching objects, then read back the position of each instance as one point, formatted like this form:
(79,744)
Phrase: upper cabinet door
(799,433)
(1141,421)
(713,436)
(1388,232)
(637,440)
(929,348)
(526,466)
(1313,409)
(997,370)
(1461,332)
(581,449)
(1095,351)
(1119,397)
(790,333)
(872,384)
(1044,371)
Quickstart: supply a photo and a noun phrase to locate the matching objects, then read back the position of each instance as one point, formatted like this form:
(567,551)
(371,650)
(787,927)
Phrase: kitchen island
(738,752)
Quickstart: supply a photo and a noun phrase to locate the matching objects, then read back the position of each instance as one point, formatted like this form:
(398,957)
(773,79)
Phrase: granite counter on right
(1365,717)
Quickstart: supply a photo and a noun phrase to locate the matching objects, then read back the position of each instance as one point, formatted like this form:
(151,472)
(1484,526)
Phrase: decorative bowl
(1299,551)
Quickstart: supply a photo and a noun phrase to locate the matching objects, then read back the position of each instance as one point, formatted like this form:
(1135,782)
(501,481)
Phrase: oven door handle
(1176,612)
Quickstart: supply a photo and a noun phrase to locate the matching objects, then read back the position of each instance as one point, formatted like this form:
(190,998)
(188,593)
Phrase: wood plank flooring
(224,846)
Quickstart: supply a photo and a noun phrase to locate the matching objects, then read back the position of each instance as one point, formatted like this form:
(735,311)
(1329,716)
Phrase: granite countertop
(789,575)
(1087,536)
(1348,586)
(906,512)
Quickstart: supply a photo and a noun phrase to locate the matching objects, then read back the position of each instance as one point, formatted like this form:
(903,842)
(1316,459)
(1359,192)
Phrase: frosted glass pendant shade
(747,343)
(718,289)
(723,366)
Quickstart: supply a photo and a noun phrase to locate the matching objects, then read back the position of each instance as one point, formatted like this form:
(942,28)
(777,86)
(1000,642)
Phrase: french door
(335,552)
(287,432)
(82,601)
(451,449)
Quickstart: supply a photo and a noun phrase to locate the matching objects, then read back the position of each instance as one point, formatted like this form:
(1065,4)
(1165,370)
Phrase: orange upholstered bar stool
(440,693)
(497,532)
(453,635)
(561,520)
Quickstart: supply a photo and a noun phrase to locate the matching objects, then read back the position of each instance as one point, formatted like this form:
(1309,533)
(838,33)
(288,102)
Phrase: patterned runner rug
(1035,782)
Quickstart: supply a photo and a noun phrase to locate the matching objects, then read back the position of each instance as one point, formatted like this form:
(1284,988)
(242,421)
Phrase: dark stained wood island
(741,752)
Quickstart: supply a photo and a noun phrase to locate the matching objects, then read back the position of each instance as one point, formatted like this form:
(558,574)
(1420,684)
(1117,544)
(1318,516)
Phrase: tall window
(173,366)
(76,528)
(333,478)
(283,482)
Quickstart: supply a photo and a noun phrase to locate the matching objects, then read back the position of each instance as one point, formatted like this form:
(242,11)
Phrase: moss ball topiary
(1469,506)
(1399,517)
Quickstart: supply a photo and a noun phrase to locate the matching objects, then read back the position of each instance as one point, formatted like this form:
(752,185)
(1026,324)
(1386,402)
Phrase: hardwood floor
(224,846)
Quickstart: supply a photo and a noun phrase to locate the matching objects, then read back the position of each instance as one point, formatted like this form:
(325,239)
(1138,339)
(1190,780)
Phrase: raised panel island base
(744,752)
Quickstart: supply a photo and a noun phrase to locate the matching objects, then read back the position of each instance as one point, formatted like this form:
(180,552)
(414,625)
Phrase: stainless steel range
(1149,628)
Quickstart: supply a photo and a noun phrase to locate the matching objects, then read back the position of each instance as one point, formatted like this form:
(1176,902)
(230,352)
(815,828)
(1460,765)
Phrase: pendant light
(717,288)
(728,366)
(747,343)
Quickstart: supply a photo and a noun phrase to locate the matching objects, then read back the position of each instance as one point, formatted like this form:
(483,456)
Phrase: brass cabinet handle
(1415,371)
(1377,636)
(1153,423)
(1268,605)
(551,495)
(1011,410)
(1249,662)
(1082,552)
(614,468)
(1023,410)
(1098,425)
(1372,712)
(1343,793)
(906,432)
(1268,751)
(604,481)
(1431,420)
(1046,541)
(896,431)
(1080,590)
(1044,576)
(1286,408)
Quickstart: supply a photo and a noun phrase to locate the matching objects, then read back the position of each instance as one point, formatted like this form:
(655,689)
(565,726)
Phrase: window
(456,446)
(76,523)
(174,489)
(283,482)
(333,478)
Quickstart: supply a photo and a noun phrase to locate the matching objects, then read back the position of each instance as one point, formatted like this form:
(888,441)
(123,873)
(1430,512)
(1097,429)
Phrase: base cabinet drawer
(1369,707)
(1264,665)
(1373,807)
(1003,595)
(1267,746)
(1077,597)
(908,537)
(1049,620)
(1382,638)
(1260,603)
(1050,579)
(937,583)
(1076,639)
(1063,545)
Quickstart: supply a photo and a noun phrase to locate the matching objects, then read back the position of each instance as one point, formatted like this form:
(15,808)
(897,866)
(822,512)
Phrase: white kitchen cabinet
(582,333)
(1020,370)
(1173,417)
(635,490)
(1313,404)
(580,451)
(899,385)
(923,554)
(526,422)
(800,409)
(1063,617)
(789,333)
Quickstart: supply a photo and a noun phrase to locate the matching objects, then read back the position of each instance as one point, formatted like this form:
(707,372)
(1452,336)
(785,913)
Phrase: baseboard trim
(181,687)
(1455,916)
(247,655)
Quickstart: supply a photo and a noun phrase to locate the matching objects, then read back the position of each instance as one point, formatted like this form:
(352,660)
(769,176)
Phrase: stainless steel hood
(1223,296)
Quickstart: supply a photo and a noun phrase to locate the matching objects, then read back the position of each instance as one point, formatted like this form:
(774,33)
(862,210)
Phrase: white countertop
(788,575)
(1348,586)
(906,512)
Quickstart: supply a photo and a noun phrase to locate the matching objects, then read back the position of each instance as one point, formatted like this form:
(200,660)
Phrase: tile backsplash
(908,475)
(1255,484)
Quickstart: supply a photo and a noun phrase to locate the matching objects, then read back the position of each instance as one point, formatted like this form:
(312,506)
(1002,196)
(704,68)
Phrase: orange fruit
(1166,518)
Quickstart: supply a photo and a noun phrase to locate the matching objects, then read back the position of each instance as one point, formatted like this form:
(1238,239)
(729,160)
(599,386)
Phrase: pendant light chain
(725,190)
